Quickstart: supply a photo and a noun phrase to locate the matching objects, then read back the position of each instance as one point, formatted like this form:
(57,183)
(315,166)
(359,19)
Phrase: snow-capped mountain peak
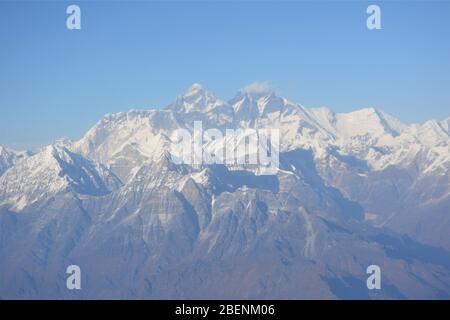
(194,90)
(195,99)
(367,121)
(52,170)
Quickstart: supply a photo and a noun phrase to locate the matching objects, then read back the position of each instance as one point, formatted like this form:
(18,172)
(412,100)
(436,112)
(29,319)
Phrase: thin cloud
(258,88)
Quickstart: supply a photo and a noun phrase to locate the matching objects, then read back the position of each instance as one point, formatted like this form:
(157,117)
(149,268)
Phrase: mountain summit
(195,99)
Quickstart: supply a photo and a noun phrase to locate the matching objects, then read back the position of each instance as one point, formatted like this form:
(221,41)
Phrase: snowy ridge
(368,134)
(52,170)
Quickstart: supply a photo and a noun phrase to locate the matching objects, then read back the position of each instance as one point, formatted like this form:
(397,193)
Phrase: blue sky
(56,82)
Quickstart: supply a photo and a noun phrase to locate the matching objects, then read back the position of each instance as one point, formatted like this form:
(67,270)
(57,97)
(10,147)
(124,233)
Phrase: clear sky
(57,83)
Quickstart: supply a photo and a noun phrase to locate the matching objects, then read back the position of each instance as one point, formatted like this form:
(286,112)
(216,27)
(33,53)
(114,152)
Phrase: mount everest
(352,190)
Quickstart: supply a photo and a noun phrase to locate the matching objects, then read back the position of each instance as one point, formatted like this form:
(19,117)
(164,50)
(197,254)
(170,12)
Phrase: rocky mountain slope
(351,190)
